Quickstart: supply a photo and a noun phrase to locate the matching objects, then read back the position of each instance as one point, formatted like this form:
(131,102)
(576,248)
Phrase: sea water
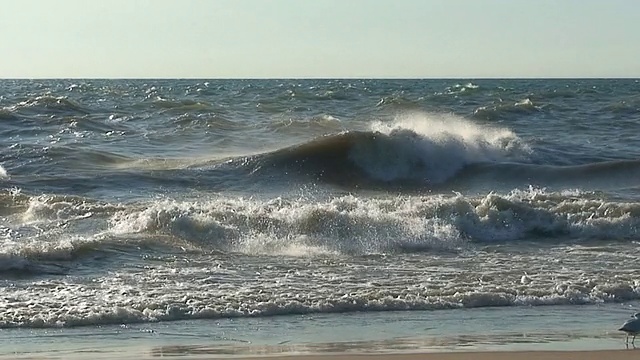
(270,216)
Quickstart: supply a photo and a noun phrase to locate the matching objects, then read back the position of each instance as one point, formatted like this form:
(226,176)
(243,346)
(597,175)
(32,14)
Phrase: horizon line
(334,78)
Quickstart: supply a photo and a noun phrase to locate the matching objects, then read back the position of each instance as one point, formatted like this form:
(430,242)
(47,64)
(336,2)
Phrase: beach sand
(496,355)
(489,355)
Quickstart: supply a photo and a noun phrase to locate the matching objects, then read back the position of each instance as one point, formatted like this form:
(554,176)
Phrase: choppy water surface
(145,201)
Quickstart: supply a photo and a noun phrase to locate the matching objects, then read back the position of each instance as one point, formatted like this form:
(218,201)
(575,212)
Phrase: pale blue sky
(319,38)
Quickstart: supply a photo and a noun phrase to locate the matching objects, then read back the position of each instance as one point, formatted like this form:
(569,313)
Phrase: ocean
(226,217)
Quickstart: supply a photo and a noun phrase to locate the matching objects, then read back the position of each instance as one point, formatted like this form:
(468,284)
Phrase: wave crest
(504,110)
(47,104)
(352,225)
(420,148)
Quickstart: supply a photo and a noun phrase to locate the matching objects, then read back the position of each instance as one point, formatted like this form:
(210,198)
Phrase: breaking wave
(46,229)
(352,225)
(419,149)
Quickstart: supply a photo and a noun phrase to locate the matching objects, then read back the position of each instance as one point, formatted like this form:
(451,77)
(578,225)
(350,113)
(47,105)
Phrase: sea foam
(354,225)
(434,147)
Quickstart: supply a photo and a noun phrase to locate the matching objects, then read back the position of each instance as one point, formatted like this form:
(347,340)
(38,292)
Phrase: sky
(319,38)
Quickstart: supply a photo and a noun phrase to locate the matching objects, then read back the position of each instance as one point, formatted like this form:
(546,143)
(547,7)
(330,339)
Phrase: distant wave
(501,110)
(398,102)
(323,122)
(462,89)
(181,106)
(624,108)
(47,104)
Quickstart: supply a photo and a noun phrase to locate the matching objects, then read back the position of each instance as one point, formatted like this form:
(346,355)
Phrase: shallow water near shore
(590,327)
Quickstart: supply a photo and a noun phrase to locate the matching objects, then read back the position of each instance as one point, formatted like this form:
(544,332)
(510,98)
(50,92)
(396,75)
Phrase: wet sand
(496,355)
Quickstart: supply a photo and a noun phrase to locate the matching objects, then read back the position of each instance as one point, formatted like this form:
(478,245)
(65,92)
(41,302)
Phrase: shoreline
(489,333)
(480,355)
(621,354)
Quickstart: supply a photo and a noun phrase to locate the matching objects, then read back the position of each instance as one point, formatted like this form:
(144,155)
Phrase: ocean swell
(420,150)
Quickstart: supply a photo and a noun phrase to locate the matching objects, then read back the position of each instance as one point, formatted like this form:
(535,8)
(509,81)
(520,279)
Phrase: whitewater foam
(354,225)
(433,147)
(63,228)
(233,287)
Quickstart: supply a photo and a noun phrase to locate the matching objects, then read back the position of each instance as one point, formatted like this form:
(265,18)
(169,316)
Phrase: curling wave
(421,151)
